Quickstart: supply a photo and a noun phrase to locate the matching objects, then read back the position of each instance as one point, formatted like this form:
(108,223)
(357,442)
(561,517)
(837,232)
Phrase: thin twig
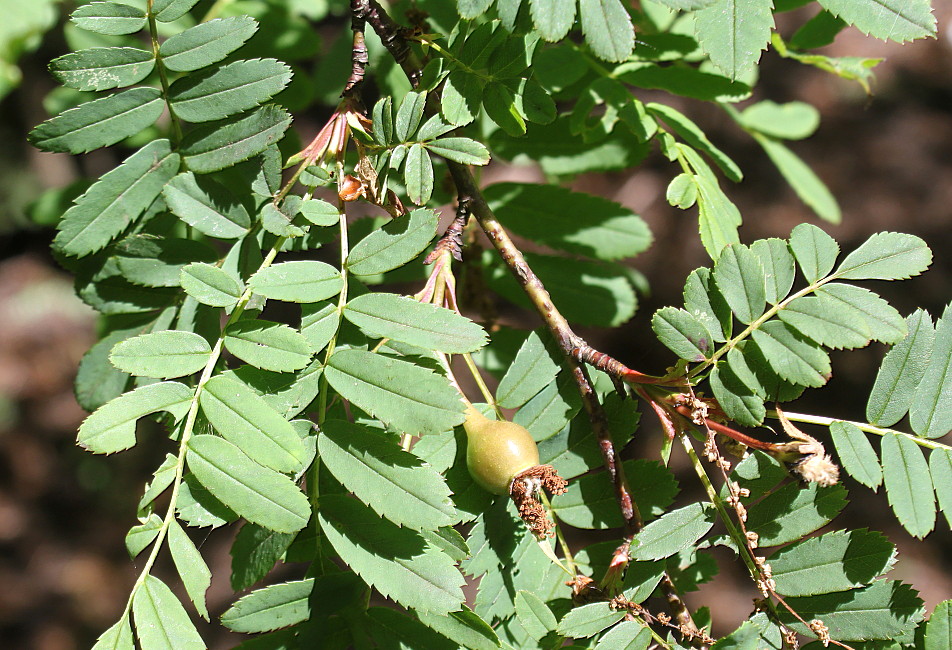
(359,9)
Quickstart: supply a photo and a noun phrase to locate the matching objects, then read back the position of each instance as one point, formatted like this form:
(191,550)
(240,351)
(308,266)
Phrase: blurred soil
(64,574)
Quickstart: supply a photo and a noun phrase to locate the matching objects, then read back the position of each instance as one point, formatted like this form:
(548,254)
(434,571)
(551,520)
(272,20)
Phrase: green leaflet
(930,414)
(789,121)
(792,356)
(168,10)
(607,28)
(254,553)
(682,191)
(815,251)
(206,43)
(940,467)
(160,619)
(139,537)
(938,632)
(197,506)
(162,478)
(100,122)
(856,454)
(741,279)
(110,18)
(395,483)
(151,261)
(733,33)
(885,323)
(163,355)
(552,20)
(704,300)
(408,117)
(207,206)
(738,400)
(270,608)
(836,561)
(896,20)
(818,318)
(673,532)
(627,635)
(802,179)
(209,285)
(794,511)
(908,484)
(268,345)
(298,281)
(258,494)
(570,221)
(227,90)
(549,411)
(534,615)
(588,620)
(464,627)
(245,419)
(190,566)
(112,427)
(534,368)
(418,174)
(400,318)
(886,256)
(102,68)
(409,398)
(389,626)
(217,145)
(320,213)
(695,137)
(393,245)
(461,150)
(901,371)
(117,637)
(884,610)
(682,333)
(396,561)
(116,200)
(319,323)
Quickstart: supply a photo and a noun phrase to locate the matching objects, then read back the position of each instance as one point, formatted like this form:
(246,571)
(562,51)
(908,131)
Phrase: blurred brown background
(64,573)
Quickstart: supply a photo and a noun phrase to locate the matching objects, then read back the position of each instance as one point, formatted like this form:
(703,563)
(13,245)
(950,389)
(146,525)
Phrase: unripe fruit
(497,451)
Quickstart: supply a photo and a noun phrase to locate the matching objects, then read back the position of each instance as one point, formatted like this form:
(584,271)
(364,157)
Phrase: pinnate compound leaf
(254,553)
(396,561)
(607,28)
(394,482)
(734,32)
(886,256)
(160,619)
(112,427)
(802,179)
(117,637)
(206,43)
(938,632)
(168,10)
(901,372)
(792,356)
(896,20)
(393,245)
(682,333)
(268,345)
(102,68)
(207,206)
(741,279)
(837,561)
(908,484)
(297,281)
(270,608)
(856,454)
(816,251)
(884,610)
(570,221)
(191,568)
(116,200)
(931,412)
(405,396)
(100,122)
(217,145)
(588,620)
(673,532)
(244,418)
(627,635)
(534,368)
(534,615)
(260,495)
(794,511)
(227,90)
(209,285)
(940,467)
(163,355)
(464,627)
(386,315)
(110,18)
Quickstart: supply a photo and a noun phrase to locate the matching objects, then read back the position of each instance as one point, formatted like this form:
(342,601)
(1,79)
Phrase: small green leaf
(703,299)
(938,630)
(733,33)
(738,400)
(386,315)
(940,467)
(552,20)
(245,419)
(217,145)
(100,122)
(607,28)
(802,179)
(673,532)
(695,137)
(792,356)
(794,511)
(419,174)
(718,217)
(112,427)
(270,608)
(740,277)
(896,20)
(461,150)
(816,251)
(588,620)
(393,245)
(150,261)
(500,104)
(209,285)
(856,453)
(117,637)
(227,90)
(298,281)
(931,412)
(833,562)
(167,11)
(395,483)
(464,627)
(534,368)
(901,372)
(319,323)
(207,206)
(191,568)
(682,191)
(320,213)
(627,635)
(789,121)
(254,553)
(110,18)
(908,484)
(407,397)
(140,537)
(472,8)
(534,615)
(163,355)
(160,619)
(779,267)
(885,323)
(268,345)
(682,333)
(258,494)
(102,68)
(818,318)
(206,43)
(408,116)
